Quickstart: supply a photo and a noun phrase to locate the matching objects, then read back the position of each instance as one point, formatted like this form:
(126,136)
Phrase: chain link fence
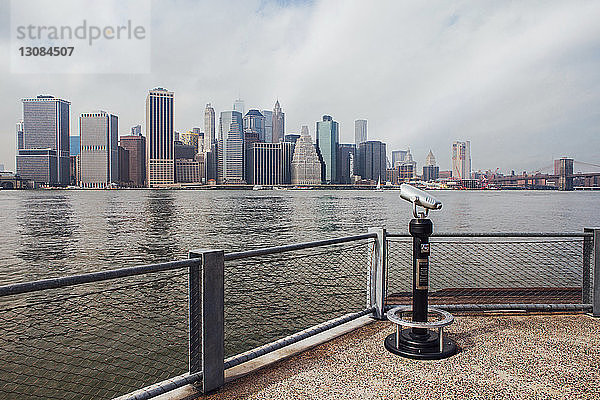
(96,340)
(272,296)
(502,270)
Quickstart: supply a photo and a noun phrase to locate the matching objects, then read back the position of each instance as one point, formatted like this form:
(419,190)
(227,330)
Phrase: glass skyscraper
(230,148)
(99,157)
(327,143)
(360,131)
(44,153)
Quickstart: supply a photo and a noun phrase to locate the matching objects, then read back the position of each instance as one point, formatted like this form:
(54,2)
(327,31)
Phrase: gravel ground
(501,357)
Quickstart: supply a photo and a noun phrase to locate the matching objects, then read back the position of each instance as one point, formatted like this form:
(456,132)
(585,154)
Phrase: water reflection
(158,241)
(46,229)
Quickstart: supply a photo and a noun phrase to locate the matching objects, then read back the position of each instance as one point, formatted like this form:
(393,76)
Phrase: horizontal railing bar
(514,306)
(297,246)
(286,341)
(500,234)
(162,387)
(55,283)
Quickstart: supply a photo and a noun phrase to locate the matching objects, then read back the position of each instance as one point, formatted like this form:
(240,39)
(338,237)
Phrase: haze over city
(519,80)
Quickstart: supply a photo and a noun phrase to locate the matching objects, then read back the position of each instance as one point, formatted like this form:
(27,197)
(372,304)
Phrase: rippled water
(53,233)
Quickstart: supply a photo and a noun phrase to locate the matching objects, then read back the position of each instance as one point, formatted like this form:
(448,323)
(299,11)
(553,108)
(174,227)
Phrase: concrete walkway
(502,357)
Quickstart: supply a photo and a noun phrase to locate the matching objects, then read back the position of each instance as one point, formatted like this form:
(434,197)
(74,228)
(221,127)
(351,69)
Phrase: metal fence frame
(206,298)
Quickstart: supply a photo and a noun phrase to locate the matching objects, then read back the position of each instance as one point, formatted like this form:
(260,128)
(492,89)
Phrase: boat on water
(378,188)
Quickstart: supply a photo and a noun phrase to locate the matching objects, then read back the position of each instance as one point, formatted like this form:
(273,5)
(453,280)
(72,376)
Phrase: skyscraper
(254,122)
(270,163)
(209,128)
(136,146)
(306,166)
(19,129)
(431,172)
(372,160)
(327,143)
(239,106)
(346,153)
(99,157)
(360,131)
(191,138)
(160,167)
(136,130)
(44,156)
(230,148)
(278,123)
(268,114)
(398,157)
(461,160)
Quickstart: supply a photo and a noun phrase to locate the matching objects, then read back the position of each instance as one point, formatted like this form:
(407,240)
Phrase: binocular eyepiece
(419,198)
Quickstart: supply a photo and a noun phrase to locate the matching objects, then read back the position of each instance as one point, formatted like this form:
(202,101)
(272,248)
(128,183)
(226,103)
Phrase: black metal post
(420,229)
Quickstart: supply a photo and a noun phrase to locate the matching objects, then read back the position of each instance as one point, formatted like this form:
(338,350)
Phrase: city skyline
(496,75)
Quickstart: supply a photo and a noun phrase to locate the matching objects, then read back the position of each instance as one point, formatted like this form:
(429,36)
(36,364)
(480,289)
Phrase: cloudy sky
(521,80)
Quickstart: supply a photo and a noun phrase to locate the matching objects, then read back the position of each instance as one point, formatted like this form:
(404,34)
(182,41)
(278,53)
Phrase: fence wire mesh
(494,271)
(270,297)
(95,340)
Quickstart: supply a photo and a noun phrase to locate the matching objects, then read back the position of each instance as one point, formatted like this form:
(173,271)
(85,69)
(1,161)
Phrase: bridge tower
(563,167)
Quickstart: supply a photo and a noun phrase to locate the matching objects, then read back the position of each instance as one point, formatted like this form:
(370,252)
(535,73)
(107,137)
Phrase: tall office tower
(306,166)
(268,114)
(431,171)
(430,159)
(44,157)
(209,128)
(98,133)
(398,157)
(461,160)
(327,144)
(74,145)
(230,149)
(124,178)
(19,135)
(250,138)
(136,146)
(239,106)
(190,138)
(278,123)
(360,131)
(346,154)
(372,160)
(198,131)
(160,154)
(291,137)
(254,122)
(270,163)
(136,130)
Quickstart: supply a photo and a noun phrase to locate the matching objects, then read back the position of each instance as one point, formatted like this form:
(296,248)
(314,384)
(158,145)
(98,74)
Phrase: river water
(104,339)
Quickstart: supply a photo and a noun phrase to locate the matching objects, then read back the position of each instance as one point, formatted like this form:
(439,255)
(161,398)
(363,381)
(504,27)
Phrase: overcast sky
(521,79)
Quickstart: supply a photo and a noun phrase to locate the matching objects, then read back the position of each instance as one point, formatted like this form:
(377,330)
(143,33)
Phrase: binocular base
(420,347)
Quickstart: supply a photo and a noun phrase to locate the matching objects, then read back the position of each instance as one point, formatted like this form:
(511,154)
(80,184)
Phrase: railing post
(596,268)
(377,274)
(207,318)
(587,281)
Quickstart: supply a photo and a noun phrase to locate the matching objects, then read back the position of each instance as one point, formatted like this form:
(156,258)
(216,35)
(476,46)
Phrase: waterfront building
(160,138)
(346,154)
(136,147)
(254,122)
(461,160)
(73,168)
(19,129)
(239,106)
(44,156)
(406,172)
(306,166)
(74,145)
(249,139)
(278,123)
(431,171)
(327,144)
(209,128)
(98,133)
(360,131)
(392,175)
(124,179)
(268,114)
(270,163)
(398,157)
(191,138)
(190,170)
(184,151)
(136,130)
(372,160)
(230,149)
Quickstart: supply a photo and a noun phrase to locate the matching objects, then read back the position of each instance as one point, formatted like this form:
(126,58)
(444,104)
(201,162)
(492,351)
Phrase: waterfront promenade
(502,357)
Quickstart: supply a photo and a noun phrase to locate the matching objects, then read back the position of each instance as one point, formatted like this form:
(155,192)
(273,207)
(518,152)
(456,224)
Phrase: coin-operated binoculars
(423,339)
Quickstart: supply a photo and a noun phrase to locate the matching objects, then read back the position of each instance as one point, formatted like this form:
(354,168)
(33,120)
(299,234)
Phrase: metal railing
(162,326)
